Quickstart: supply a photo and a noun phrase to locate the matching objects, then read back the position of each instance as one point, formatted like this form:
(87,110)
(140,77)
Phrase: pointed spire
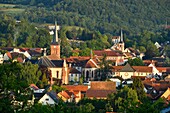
(55,38)
(56,31)
(121,36)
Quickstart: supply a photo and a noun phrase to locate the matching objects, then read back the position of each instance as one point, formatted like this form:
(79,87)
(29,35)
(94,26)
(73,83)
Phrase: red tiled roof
(76,87)
(99,93)
(90,64)
(158,85)
(108,53)
(74,71)
(66,94)
(142,68)
(137,68)
(163,69)
(9,55)
(19,59)
(34,86)
(102,85)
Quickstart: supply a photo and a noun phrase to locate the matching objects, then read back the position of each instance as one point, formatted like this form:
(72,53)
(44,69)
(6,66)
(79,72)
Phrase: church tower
(55,46)
(121,44)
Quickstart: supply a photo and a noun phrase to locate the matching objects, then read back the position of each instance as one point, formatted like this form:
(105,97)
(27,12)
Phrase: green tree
(125,99)
(139,88)
(85,52)
(135,62)
(105,68)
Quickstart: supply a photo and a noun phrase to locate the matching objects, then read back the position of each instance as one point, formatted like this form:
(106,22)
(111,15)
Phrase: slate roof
(58,63)
(44,61)
(74,71)
(127,68)
(53,95)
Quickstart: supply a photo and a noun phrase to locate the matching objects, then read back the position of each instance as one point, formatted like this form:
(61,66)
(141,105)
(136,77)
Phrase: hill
(105,16)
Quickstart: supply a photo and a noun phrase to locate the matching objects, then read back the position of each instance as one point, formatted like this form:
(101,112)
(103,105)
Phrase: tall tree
(105,68)
(139,88)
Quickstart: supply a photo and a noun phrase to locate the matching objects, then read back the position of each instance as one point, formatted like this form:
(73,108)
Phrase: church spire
(121,36)
(55,38)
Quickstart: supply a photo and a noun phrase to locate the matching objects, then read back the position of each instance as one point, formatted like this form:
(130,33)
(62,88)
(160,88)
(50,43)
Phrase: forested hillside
(107,16)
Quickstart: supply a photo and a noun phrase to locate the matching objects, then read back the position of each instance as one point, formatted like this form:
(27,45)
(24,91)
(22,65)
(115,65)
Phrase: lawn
(10,9)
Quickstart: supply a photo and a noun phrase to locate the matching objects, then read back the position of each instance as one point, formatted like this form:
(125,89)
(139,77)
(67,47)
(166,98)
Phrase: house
(156,89)
(74,75)
(166,94)
(116,56)
(78,90)
(67,96)
(49,98)
(101,89)
(127,71)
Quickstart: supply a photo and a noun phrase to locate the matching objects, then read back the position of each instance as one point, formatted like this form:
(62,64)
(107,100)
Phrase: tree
(139,88)
(105,68)
(135,62)
(151,50)
(85,52)
(125,99)
(30,73)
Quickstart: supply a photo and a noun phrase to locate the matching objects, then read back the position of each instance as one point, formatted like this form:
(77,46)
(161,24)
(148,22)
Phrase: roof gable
(127,68)
(91,64)
(46,62)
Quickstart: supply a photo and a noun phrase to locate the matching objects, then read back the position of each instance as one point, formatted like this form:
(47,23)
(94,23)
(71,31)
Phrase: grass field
(7,5)
(10,9)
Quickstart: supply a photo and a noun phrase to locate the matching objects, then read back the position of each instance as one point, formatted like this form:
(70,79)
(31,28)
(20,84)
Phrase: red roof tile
(90,64)
(108,53)
(76,87)
(99,93)
(102,85)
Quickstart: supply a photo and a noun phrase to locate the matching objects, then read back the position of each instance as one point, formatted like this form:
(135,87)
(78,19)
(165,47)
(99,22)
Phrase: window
(57,74)
(47,99)
(92,74)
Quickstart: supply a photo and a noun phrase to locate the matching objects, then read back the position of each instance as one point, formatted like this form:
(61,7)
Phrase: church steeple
(55,37)
(121,36)
(55,46)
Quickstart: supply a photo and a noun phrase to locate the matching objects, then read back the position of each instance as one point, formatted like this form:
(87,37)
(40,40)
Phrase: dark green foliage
(139,88)
(105,68)
(21,34)
(135,62)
